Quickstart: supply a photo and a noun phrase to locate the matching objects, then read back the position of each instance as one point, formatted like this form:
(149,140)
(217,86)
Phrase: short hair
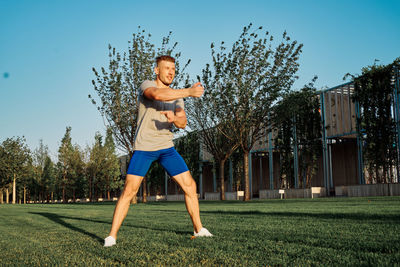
(166,58)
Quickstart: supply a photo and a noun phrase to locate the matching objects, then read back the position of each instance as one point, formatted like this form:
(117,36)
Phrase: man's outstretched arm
(168,94)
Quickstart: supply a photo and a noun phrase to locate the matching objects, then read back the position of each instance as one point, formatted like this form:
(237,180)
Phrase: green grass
(329,231)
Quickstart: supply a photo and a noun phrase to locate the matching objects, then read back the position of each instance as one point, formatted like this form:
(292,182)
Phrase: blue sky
(47,49)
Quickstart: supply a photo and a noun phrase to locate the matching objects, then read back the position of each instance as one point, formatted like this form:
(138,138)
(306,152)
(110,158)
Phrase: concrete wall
(298,193)
(294,193)
(368,190)
(179,197)
(212,196)
(268,194)
(394,189)
(234,195)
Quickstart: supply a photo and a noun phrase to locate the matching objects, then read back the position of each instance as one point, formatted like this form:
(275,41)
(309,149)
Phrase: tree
(373,90)
(77,181)
(103,167)
(64,167)
(3,173)
(14,161)
(39,159)
(95,165)
(112,172)
(48,179)
(298,123)
(71,167)
(248,81)
(117,88)
(203,119)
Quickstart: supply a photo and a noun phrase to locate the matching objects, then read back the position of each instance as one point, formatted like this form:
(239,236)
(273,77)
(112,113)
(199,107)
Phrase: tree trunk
(108,194)
(134,200)
(246,176)
(1,196)
(63,193)
(24,194)
(95,193)
(222,177)
(90,189)
(52,197)
(144,197)
(14,197)
(7,196)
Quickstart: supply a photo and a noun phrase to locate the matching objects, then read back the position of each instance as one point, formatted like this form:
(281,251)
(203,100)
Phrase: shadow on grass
(59,219)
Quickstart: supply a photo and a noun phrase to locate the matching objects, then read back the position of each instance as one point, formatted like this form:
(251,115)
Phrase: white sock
(203,232)
(109,241)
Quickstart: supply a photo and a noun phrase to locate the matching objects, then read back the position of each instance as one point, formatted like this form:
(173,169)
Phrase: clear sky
(48,48)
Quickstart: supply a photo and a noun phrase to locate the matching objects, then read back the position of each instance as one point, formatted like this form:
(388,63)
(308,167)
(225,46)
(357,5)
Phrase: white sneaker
(203,232)
(109,241)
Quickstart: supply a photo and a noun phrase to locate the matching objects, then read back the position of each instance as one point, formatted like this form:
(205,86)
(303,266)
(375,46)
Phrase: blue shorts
(169,158)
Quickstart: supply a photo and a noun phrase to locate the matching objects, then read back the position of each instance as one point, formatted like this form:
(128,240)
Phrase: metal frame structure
(339,121)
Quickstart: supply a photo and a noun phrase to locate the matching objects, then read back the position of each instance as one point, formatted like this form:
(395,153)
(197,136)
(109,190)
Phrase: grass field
(325,231)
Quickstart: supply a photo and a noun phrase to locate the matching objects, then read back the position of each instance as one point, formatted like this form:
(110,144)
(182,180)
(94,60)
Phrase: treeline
(27,175)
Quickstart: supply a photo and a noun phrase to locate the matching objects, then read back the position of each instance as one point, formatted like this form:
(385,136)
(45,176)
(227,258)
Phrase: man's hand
(178,117)
(196,90)
(169,114)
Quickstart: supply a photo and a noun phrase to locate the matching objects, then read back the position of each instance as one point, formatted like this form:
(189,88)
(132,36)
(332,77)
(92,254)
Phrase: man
(160,107)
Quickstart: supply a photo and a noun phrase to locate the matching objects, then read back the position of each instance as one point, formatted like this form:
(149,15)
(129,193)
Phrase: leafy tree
(64,166)
(117,87)
(39,158)
(103,167)
(14,161)
(298,114)
(95,165)
(77,182)
(112,172)
(48,179)
(204,117)
(374,93)
(207,128)
(70,167)
(247,81)
(3,173)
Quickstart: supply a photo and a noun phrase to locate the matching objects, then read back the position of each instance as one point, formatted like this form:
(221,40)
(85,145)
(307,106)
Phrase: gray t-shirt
(153,130)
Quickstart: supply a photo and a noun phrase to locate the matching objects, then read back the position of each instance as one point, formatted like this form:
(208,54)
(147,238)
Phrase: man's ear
(156,70)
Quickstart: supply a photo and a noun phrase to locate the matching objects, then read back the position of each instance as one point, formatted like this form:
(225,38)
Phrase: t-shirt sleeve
(146,84)
(180,104)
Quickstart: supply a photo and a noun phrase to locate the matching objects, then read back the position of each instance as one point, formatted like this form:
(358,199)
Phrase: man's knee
(129,193)
(192,190)
(132,185)
(187,183)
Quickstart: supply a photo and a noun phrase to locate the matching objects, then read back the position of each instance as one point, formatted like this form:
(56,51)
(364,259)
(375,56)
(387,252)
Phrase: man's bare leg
(188,186)
(131,188)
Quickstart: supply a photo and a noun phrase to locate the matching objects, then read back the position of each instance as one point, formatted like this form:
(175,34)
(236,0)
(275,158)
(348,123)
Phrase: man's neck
(160,84)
